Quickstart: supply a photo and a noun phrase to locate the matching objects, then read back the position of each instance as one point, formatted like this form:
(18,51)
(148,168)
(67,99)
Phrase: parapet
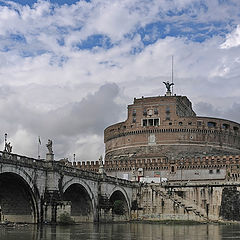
(157,163)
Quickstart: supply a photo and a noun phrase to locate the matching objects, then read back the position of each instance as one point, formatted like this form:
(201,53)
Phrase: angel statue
(49,146)
(168,86)
(8,147)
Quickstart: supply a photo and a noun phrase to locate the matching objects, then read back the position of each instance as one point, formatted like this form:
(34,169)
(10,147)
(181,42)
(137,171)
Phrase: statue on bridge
(8,147)
(49,146)
(101,167)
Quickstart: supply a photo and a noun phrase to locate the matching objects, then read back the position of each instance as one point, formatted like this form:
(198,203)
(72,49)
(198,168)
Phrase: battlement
(163,163)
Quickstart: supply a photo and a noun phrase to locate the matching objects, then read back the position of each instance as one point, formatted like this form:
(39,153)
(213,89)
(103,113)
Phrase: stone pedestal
(101,169)
(168,93)
(49,157)
(6,155)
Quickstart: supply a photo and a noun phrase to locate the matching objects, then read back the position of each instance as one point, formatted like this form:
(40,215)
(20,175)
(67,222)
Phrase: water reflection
(128,231)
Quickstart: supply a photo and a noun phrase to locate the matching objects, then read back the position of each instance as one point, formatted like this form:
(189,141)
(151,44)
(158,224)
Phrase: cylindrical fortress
(166,126)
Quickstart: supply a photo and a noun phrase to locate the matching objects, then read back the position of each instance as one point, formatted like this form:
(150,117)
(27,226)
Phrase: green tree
(65,219)
(118,207)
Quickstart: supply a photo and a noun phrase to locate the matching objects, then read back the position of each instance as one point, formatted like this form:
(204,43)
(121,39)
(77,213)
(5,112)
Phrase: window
(134,120)
(225,126)
(212,124)
(189,123)
(167,109)
(150,122)
(145,112)
(134,112)
(218,171)
(180,123)
(199,123)
(170,123)
(210,171)
(235,128)
(144,122)
(155,111)
(156,122)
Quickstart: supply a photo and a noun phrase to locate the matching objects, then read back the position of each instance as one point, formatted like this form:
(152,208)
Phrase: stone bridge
(36,191)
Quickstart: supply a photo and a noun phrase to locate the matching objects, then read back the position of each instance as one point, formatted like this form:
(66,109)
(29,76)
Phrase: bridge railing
(58,166)
(95,175)
(15,157)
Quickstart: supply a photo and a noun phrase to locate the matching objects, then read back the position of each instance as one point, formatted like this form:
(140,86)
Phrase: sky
(68,69)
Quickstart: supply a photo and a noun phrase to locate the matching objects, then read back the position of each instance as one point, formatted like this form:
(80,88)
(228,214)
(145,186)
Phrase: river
(121,231)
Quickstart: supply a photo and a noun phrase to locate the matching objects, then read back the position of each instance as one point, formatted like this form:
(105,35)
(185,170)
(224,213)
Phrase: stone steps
(189,208)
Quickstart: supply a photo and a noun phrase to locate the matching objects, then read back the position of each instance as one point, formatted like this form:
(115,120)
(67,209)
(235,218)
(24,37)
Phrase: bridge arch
(120,202)
(18,170)
(81,197)
(19,196)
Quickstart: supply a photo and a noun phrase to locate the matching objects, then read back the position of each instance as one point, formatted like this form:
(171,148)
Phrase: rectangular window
(150,122)
(225,126)
(156,122)
(144,122)
(212,124)
(167,109)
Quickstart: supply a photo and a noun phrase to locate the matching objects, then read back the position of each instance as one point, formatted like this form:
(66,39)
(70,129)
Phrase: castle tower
(167,127)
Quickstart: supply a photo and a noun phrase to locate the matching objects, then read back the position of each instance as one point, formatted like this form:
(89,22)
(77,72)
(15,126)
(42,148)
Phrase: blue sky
(30,3)
(63,63)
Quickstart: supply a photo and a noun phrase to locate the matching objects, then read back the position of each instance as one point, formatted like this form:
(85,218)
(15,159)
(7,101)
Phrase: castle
(163,138)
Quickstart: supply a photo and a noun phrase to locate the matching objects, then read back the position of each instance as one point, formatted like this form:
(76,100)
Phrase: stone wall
(230,207)
(206,169)
(196,203)
(199,141)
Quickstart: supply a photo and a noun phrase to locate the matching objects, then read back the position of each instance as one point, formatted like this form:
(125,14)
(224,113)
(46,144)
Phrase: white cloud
(51,88)
(233,39)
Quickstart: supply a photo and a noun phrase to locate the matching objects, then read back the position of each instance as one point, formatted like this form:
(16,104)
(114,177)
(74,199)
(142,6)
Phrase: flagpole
(172,74)
(38,147)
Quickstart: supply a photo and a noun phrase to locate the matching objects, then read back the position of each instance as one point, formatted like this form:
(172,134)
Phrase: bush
(118,207)
(65,219)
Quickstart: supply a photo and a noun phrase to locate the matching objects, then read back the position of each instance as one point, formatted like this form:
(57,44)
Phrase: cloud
(69,71)
(232,39)
(91,115)
(71,121)
(207,109)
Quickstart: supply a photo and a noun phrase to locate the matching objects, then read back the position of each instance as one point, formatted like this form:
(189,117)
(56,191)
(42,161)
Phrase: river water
(121,231)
